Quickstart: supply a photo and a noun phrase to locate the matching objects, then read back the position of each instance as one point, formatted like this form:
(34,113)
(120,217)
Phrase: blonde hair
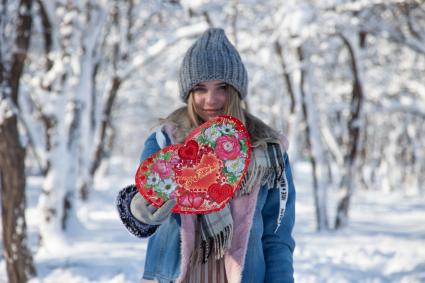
(187,118)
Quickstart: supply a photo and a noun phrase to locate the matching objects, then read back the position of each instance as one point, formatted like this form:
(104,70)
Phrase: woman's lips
(212,111)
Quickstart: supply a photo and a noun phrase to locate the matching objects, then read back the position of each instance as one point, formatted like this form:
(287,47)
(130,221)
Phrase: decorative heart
(189,150)
(196,199)
(203,173)
(184,200)
(219,192)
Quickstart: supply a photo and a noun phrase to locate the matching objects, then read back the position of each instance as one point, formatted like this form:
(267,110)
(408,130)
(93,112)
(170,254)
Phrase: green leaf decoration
(244,148)
(232,178)
(161,194)
(166,156)
(202,140)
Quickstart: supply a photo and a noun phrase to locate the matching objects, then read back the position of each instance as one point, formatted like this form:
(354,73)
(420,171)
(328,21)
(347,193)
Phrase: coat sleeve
(279,245)
(133,225)
(151,146)
(125,196)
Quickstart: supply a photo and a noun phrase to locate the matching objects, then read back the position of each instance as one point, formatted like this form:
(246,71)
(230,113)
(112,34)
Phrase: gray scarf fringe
(266,166)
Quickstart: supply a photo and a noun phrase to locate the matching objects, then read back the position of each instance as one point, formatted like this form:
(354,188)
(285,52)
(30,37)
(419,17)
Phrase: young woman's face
(210,99)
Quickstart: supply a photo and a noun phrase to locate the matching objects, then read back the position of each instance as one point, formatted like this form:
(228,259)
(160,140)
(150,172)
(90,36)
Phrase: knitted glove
(145,212)
(133,225)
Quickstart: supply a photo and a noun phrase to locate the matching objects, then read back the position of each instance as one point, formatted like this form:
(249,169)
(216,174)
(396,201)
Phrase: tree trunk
(100,142)
(314,152)
(52,203)
(19,264)
(353,141)
(288,83)
(55,202)
(295,117)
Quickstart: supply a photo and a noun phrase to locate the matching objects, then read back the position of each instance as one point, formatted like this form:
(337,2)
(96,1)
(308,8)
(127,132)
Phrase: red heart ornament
(184,200)
(189,150)
(203,173)
(196,199)
(219,192)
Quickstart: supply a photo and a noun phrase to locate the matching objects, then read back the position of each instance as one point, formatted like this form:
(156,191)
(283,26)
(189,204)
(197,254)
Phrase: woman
(250,239)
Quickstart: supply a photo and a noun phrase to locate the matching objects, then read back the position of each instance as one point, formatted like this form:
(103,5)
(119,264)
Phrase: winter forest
(83,83)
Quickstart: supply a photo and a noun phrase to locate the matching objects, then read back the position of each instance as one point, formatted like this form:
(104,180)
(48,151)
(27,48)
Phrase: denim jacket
(268,255)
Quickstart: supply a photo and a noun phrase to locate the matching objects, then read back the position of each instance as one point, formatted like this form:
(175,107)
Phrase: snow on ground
(384,242)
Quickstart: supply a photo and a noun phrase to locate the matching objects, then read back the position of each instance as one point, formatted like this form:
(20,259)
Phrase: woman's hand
(145,212)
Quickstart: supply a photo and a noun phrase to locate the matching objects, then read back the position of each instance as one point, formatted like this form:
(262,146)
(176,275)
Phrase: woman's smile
(213,111)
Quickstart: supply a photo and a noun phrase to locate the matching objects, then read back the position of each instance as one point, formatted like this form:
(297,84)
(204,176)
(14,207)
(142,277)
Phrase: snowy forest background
(83,82)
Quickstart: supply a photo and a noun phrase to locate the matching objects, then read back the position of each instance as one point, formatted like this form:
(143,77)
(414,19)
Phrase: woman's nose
(210,97)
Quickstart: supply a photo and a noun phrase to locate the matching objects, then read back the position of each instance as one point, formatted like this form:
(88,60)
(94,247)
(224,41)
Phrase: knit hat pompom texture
(212,57)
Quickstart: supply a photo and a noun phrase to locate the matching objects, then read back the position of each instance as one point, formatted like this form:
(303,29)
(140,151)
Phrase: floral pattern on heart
(203,173)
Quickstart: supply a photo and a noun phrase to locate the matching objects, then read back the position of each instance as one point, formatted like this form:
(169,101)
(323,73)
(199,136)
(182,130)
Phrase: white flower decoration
(212,133)
(235,166)
(167,186)
(153,179)
(227,129)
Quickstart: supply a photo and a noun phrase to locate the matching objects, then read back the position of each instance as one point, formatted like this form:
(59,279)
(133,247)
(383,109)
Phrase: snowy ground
(385,241)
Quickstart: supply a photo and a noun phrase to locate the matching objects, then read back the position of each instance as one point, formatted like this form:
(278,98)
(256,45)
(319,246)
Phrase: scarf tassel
(266,167)
(216,246)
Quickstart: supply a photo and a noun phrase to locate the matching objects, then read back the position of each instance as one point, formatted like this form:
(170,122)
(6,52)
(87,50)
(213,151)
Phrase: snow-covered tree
(15,17)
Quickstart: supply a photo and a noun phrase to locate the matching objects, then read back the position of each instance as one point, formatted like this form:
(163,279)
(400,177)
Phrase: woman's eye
(198,89)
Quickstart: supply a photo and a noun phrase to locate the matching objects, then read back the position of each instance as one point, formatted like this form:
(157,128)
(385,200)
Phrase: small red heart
(196,200)
(219,192)
(184,200)
(189,150)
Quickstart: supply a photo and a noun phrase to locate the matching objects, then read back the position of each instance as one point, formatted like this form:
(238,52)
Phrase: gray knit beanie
(212,57)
